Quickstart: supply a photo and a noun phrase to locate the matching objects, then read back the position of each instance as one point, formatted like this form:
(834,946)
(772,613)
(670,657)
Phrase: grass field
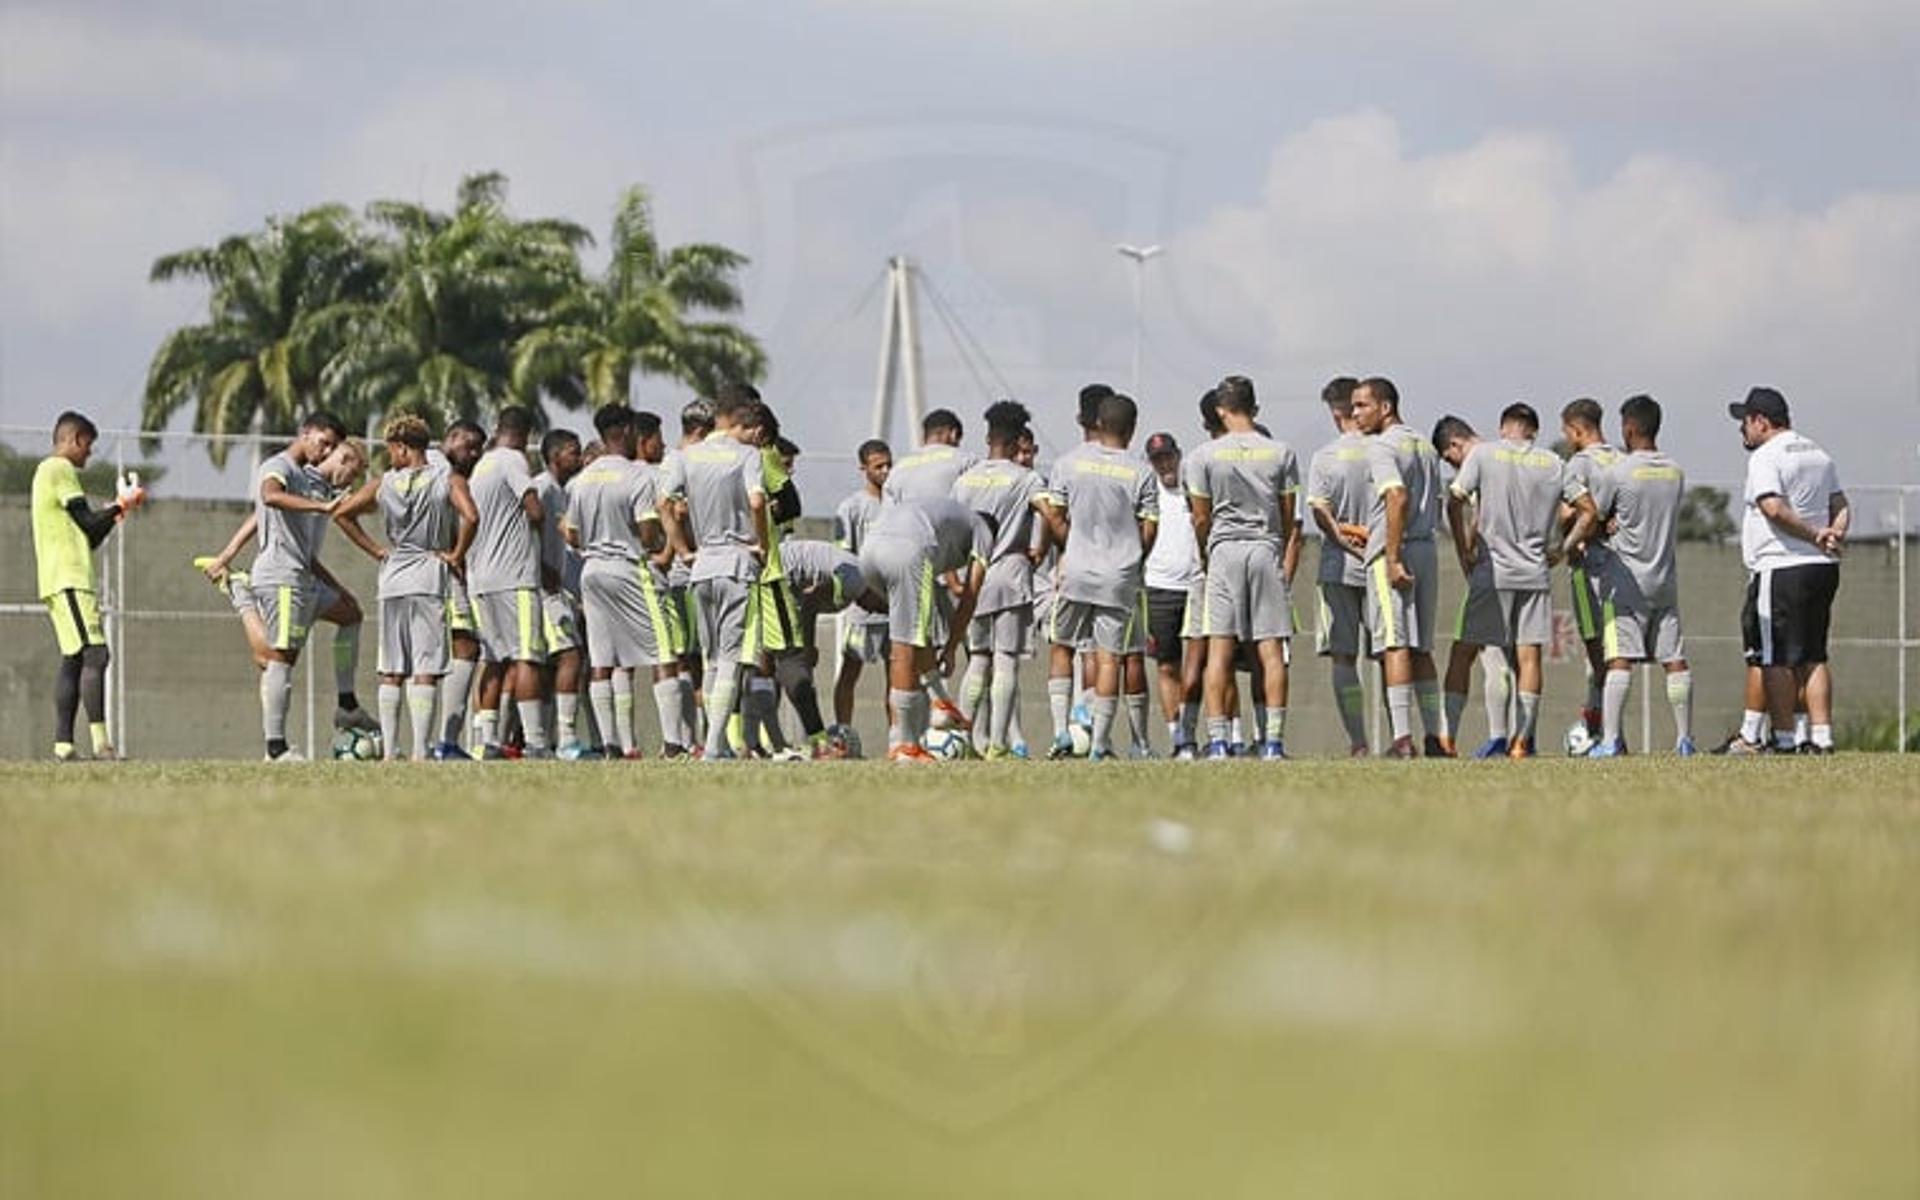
(1637,979)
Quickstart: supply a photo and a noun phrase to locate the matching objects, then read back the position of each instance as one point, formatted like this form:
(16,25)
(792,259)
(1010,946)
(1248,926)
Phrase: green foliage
(1878,731)
(16,473)
(442,314)
(1704,516)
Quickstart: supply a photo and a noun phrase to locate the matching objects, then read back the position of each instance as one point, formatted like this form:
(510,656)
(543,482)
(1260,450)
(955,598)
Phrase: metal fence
(181,685)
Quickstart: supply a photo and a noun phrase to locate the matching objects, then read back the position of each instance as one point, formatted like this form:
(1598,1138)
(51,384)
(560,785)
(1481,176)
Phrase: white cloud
(53,57)
(1495,271)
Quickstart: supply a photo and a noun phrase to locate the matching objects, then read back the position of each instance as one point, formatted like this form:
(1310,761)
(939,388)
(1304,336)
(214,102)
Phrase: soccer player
(825,580)
(339,473)
(1456,441)
(1402,565)
(460,449)
(1103,507)
(1337,496)
(504,580)
(613,517)
(430,522)
(561,456)
(291,515)
(1241,488)
(1517,491)
(1174,598)
(725,531)
(66,532)
(776,615)
(696,422)
(1591,461)
(1640,588)
(928,472)
(1000,633)
(1792,535)
(863,635)
(909,546)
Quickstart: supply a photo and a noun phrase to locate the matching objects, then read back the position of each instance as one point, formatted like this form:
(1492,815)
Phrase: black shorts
(1166,613)
(1787,614)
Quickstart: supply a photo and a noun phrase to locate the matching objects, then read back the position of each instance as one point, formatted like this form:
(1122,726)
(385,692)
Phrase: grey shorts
(1343,618)
(1111,628)
(629,621)
(511,625)
(413,636)
(919,608)
(1402,619)
(1245,597)
(1643,635)
(722,610)
(1505,617)
(563,629)
(1009,631)
(863,639)
(288,610)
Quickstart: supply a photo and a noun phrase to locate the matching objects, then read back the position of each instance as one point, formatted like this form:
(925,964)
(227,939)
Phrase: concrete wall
(191,687)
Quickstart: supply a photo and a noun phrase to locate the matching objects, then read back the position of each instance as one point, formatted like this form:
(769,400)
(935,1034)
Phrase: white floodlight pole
(899,353)
(1138,255)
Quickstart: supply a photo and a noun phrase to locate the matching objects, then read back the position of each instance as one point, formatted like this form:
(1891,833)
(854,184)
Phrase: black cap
(1162,443)
(1760,401)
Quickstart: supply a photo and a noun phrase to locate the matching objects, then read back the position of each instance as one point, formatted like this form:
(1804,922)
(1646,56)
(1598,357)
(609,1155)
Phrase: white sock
(1003,696)
(455,690)
(533,723)
(1823,736)
(1276,724)
(276,693)
(723,685)
(390,697)
(974,684)
(486,727)
(1104,710)
(566,716)
(1529,713)
(623,731)
(1137,719)
(1236,730)
(1059,704)
(1497,694)
(1802,728)
(421,701)
(1400,710)
(666,705)
(1613,704)
(1753,725)
(1680,696)
(600,697)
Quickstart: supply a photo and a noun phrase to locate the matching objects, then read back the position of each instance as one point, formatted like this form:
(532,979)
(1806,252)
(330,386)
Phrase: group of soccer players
(624,556)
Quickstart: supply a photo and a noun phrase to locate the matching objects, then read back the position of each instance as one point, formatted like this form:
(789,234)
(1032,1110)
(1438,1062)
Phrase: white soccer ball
(1082,738)
(947,744)
(1579,740)
(357,745)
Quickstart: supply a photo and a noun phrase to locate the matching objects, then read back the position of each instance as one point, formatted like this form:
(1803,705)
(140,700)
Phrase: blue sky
(1487,203)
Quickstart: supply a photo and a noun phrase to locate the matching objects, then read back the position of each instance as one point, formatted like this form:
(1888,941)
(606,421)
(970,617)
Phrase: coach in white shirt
(1173,578)
(1792,534)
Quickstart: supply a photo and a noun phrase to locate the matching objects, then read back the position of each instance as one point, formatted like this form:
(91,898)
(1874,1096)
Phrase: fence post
(1905,645)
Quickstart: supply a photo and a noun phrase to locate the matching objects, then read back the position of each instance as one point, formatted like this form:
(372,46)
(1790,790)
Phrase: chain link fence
(182,684)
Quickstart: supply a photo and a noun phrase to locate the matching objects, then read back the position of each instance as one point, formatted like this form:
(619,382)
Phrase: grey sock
(1613,704)
(911,709)
(1003,696)
(1426,693)
(276,693)
(391,695)
(723,684)
(533,723)
(666,705)
(600,699)
(624,730)
(1059,704)
(455,691)
(1137,718)
(1105,708)
(1680,696)
(1497,680)
(421,698)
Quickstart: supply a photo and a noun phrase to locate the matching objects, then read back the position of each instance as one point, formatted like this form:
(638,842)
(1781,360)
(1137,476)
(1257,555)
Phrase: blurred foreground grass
(1645,978)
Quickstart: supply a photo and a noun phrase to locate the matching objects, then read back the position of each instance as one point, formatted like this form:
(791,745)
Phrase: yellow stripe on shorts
(1384,590)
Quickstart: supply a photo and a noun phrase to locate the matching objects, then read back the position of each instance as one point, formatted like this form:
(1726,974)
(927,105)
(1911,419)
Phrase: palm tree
(255,364)
(463,289)
(640,316)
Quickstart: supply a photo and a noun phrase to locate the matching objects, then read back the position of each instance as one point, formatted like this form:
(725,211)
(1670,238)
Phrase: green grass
(1644,978)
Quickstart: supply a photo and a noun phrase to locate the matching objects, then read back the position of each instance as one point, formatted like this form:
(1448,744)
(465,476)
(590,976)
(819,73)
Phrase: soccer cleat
(995,754)
(537,754)
(289,755)
(492,754)
(1099,755)
(789,754)
(908,752)
(1439,747)
(1613,749)
(449,752)
(1361,750)
(951,714)
(355,718)
(674,752)
(1802,748)
(1522,747)
(1062,748)
(512,750)
(1141,753)
(1020,752)
(1218,752)
(65,753)
(1402,748)
(1492,748)
(1273,751)
(1237,750)
(1685,748)
(1185,752)
(570,751)
(1740,747)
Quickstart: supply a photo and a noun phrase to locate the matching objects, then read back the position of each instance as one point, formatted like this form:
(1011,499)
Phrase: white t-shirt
(1802,474)
(1174,563)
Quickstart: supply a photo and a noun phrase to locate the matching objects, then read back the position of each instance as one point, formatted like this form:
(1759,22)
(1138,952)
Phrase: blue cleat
(1020,751)
(1101,756)
(1685,748)
(449,752)
(1186,752)
(1218,752)
(1613,749)
(1237,750)
(1062,748)
(1492,748)
(1273,751)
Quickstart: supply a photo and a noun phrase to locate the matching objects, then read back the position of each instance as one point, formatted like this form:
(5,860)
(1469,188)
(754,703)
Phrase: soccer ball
(1082,738)
(846,739)
(357,745)
(947,744)
(1579,740)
